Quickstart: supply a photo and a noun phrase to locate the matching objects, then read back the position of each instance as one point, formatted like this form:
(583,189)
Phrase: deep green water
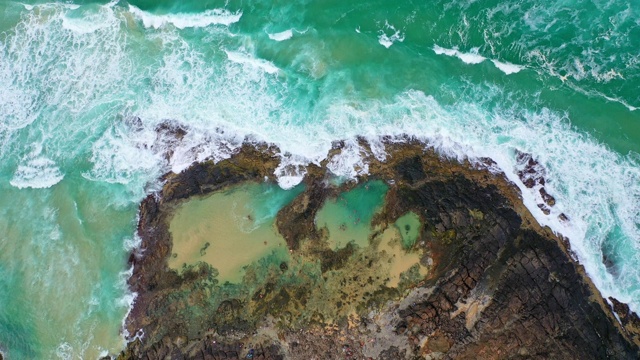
(84,84)
(348,217)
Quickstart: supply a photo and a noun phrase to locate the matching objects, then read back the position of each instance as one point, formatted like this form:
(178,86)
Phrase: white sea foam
(471,57)
(281,36)
(225,100)
(245,59)
(291,171)
(83,25)
(185,20)
(289,181)
(507,68)
(389,35)
(444,51)
(350,162)
(133,242)
(127,300)
(64,351)
(37,173)
(85,22)
(132,160)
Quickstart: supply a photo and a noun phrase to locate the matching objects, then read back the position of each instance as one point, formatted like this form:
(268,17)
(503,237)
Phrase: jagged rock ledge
(499,285)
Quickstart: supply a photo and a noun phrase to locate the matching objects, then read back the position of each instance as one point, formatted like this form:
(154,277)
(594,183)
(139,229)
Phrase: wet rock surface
(498,286)
(628,318)
(532,174)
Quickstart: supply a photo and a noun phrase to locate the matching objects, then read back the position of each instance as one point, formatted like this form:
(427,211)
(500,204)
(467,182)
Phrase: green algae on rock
(453,266)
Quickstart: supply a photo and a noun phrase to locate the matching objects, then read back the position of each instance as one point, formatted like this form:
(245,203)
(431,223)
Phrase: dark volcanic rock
(411,169)
(499,285)
(629,319)
(296,221)
(532,174)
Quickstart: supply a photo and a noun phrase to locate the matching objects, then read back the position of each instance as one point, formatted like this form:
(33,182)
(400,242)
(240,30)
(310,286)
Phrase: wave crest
(184,20)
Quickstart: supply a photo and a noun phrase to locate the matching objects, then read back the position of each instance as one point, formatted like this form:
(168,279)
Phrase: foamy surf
(350,162)
(81,26)
(507,67)
(471,57)
(184,20)
(388,35)
(281,36)
(38,173)
(90,21)
(291,171)
(245,59)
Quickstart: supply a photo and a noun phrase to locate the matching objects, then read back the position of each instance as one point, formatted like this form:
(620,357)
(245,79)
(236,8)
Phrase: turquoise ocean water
(84,84)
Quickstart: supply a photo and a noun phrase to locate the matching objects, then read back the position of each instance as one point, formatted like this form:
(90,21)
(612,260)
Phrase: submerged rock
(532,174)
(489,282)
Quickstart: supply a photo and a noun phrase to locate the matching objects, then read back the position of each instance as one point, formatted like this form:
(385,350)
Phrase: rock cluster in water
(498,285)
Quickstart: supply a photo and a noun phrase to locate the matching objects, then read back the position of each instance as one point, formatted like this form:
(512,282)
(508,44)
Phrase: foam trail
(597,94)
(182,21)
(387,40)
(37,173)
(507,68)
(471,57)
(291,171)
(90,22)
(281,36)
(245,59)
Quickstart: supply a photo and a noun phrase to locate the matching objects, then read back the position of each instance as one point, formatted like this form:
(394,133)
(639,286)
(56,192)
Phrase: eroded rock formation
(498,286)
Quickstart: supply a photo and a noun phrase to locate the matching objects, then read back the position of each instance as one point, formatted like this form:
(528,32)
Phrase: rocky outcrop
(628,318)
(498,286)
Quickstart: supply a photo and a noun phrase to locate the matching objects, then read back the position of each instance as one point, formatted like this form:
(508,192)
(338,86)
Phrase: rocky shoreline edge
(499,285)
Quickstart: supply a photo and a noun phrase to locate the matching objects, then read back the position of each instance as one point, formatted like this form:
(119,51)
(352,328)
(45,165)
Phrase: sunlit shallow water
(347,218)
(230,232)
(229,229)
